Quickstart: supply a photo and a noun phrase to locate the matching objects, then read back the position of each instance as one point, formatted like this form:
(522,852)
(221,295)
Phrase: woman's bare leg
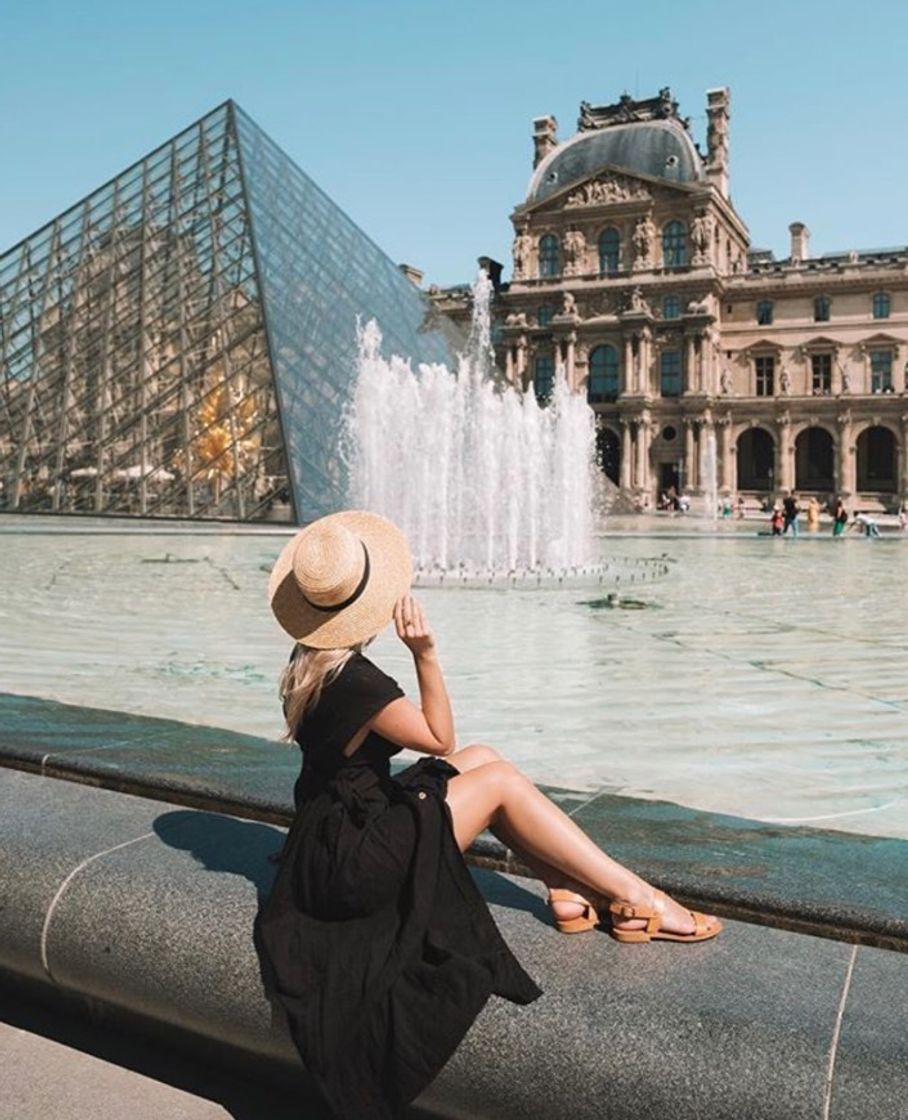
(479,754)
(496,795)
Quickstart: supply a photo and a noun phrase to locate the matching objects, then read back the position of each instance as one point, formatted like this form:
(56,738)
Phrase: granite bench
(140,913)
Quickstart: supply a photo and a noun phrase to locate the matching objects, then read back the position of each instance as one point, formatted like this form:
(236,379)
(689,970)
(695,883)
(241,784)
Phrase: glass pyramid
(182,342)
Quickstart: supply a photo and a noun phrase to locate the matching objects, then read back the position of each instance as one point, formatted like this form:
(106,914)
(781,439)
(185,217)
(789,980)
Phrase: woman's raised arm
(431,729)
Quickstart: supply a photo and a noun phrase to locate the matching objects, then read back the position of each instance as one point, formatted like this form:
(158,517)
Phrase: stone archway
(877,460)
(608,453)
(756,454)
(815,460)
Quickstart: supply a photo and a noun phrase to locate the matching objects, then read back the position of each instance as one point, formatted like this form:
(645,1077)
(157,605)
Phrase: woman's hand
(412,628)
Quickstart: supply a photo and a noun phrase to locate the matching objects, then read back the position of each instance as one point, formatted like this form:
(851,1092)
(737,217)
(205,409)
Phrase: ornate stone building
(633,272)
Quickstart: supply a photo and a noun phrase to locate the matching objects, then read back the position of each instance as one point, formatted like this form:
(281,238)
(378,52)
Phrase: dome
(662,149)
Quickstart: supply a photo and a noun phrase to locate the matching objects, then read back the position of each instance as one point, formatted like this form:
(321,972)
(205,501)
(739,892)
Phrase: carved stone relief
(607,188)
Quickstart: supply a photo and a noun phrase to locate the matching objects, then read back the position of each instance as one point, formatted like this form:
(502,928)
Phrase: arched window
(764,312)
(609,250)
(674,245)
(671,307)
(544,315)
(821,309)
(881,305)
(544,378)
(549,255)
(603,380)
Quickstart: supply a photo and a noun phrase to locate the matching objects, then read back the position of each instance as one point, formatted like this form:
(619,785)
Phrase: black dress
(378,943)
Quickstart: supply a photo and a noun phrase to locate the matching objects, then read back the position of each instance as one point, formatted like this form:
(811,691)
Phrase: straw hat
(336,582)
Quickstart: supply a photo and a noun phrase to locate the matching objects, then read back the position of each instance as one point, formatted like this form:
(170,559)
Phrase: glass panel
(674,245)
(821,309)
(544,315)
(319,273)
(881,305)
(671,307)
(549,255)
(821,374)
(881,371)
(609,250)
(544,378)
(143,383)
(602,384)
(764,313)
(765,369)
(670,373)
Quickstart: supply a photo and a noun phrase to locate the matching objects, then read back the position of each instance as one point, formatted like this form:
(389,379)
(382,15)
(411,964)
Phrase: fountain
(488,485)
(709,475)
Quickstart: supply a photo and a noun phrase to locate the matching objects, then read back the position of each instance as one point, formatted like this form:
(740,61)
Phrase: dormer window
(764,312)
(881,305)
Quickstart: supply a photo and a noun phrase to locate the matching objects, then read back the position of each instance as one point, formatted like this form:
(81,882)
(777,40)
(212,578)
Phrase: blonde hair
(304,678)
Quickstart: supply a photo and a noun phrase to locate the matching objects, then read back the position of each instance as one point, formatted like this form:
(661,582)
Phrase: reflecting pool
(762,677)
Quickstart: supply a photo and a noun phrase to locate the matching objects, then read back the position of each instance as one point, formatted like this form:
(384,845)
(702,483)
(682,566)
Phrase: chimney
(800,242)
(545,138)
(717,102)
(414,275)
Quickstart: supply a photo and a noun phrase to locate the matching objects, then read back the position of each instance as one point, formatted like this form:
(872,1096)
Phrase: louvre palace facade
(634,273)
(181,342)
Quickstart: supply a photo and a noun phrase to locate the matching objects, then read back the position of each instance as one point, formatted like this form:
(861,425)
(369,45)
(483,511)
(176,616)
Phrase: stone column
(690,455)
(642,481)
(784,474)
(570,355)
(689,372)
(645,360)
(727,484)
(845,465)
(629,373)
(624,476)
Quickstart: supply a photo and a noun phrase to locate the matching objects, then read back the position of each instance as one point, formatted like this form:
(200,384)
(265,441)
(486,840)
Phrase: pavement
(58,1067)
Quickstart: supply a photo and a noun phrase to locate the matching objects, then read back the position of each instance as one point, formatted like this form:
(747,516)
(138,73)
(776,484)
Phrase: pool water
(761,677)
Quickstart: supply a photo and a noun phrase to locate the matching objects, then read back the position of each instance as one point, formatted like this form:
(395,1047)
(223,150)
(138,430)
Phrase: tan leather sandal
(653,931)
(589,919)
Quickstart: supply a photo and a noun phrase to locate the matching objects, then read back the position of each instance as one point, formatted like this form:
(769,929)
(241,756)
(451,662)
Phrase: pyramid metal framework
(181,342)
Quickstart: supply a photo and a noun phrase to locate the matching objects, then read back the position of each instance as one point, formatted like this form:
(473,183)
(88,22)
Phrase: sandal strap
(652,914)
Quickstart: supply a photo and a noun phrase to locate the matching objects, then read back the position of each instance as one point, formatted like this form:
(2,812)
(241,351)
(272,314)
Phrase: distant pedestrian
(741,507)
(839,518)
(867,524)
(777,521)
(813,514)
(790,511)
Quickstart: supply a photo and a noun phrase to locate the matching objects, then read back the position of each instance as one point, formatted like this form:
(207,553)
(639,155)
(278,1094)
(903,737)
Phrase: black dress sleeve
(352,698)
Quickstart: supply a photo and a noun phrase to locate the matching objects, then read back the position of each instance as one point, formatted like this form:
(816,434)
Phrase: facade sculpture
(521,251)
(574,253)
(644,240)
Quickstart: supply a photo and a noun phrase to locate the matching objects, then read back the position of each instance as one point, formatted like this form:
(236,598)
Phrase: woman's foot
(654,915)
(571,909)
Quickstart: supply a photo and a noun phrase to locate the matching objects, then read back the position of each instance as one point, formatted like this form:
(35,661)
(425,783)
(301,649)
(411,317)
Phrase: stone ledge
(827,883)
(142,913)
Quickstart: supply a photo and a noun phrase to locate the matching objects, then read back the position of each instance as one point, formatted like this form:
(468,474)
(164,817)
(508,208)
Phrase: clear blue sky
(415,116)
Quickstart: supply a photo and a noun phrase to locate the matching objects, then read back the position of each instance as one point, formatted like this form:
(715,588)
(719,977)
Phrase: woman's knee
(504,776)
(480,754)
